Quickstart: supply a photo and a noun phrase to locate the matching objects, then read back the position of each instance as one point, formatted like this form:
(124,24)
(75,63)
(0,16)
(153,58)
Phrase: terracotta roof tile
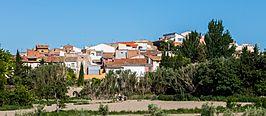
(126,62)
(54,59)
(71,59)
(34,54)
(133,44)
(157,58)
(108,55)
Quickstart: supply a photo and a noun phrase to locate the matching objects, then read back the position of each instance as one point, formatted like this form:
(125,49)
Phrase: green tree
(218,41)
(192,48)
(20,72)
(81,75)
(6,67)
(20,96)
(49,81)
(19,64)
(218,77)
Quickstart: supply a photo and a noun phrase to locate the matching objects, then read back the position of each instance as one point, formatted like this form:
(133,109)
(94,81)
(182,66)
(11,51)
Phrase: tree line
(196,68)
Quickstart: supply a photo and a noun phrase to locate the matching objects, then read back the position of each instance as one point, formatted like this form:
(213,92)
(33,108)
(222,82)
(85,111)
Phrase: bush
(261,103)
(166,97)
(185,97)
(208,110)
(103,110)
(146,96)
(154,110)
(18,96)
(228,113)
(255,112)
(230,104)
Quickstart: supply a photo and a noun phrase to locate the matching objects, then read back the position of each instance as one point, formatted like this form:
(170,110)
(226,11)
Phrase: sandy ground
(130,105)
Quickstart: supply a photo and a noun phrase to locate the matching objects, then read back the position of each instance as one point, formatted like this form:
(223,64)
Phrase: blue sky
(24,23)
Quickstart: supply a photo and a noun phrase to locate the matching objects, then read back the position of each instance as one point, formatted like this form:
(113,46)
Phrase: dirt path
(130,105)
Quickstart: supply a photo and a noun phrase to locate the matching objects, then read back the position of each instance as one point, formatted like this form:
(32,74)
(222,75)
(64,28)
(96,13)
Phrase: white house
(154,61)
(175,37)
(95,57)
(139,66)
(102,47)
(127,46)
(72,63)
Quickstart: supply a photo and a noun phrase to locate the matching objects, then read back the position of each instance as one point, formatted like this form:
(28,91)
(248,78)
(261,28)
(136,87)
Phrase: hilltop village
(139,56)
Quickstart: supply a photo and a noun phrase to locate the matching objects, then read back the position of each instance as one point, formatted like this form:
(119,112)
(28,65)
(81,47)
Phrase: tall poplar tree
(19,64)
(81,75)
(218,41)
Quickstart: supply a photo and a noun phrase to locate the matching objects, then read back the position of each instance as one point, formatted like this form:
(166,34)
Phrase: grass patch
(13,107)
(172,111)
(188,97)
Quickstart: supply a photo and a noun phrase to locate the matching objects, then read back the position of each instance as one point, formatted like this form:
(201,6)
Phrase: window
(98,53)
(180,39)
(72,64)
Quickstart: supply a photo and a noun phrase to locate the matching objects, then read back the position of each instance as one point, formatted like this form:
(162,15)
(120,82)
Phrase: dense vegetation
(20,85)
(194,71)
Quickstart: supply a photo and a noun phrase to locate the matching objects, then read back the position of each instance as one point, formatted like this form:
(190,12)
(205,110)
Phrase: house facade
(139,66)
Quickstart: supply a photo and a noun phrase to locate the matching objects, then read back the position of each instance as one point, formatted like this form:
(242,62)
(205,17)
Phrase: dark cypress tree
(218,41)
(81,75)
(19,64)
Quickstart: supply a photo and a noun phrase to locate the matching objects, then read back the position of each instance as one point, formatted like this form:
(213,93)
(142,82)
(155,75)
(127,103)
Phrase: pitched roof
(108,55)
(34,54)
(133,44)
(126,62)
(71,59)
(156,58)
(132,53)
(54,59)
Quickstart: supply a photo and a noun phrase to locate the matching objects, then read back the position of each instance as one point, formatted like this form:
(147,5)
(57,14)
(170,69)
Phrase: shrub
(166,97)
(185,97)
(228,113)
(208,110)
(154,110)
(255,112)
(261,103)
(103,110)
(230,103)
(20,96)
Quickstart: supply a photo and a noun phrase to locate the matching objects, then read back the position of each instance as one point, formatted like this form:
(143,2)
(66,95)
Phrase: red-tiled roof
(126,62)
(157,58)
(71,59)
(108,55)
(34,54)
(132,53)
(54,59)
(133,44)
